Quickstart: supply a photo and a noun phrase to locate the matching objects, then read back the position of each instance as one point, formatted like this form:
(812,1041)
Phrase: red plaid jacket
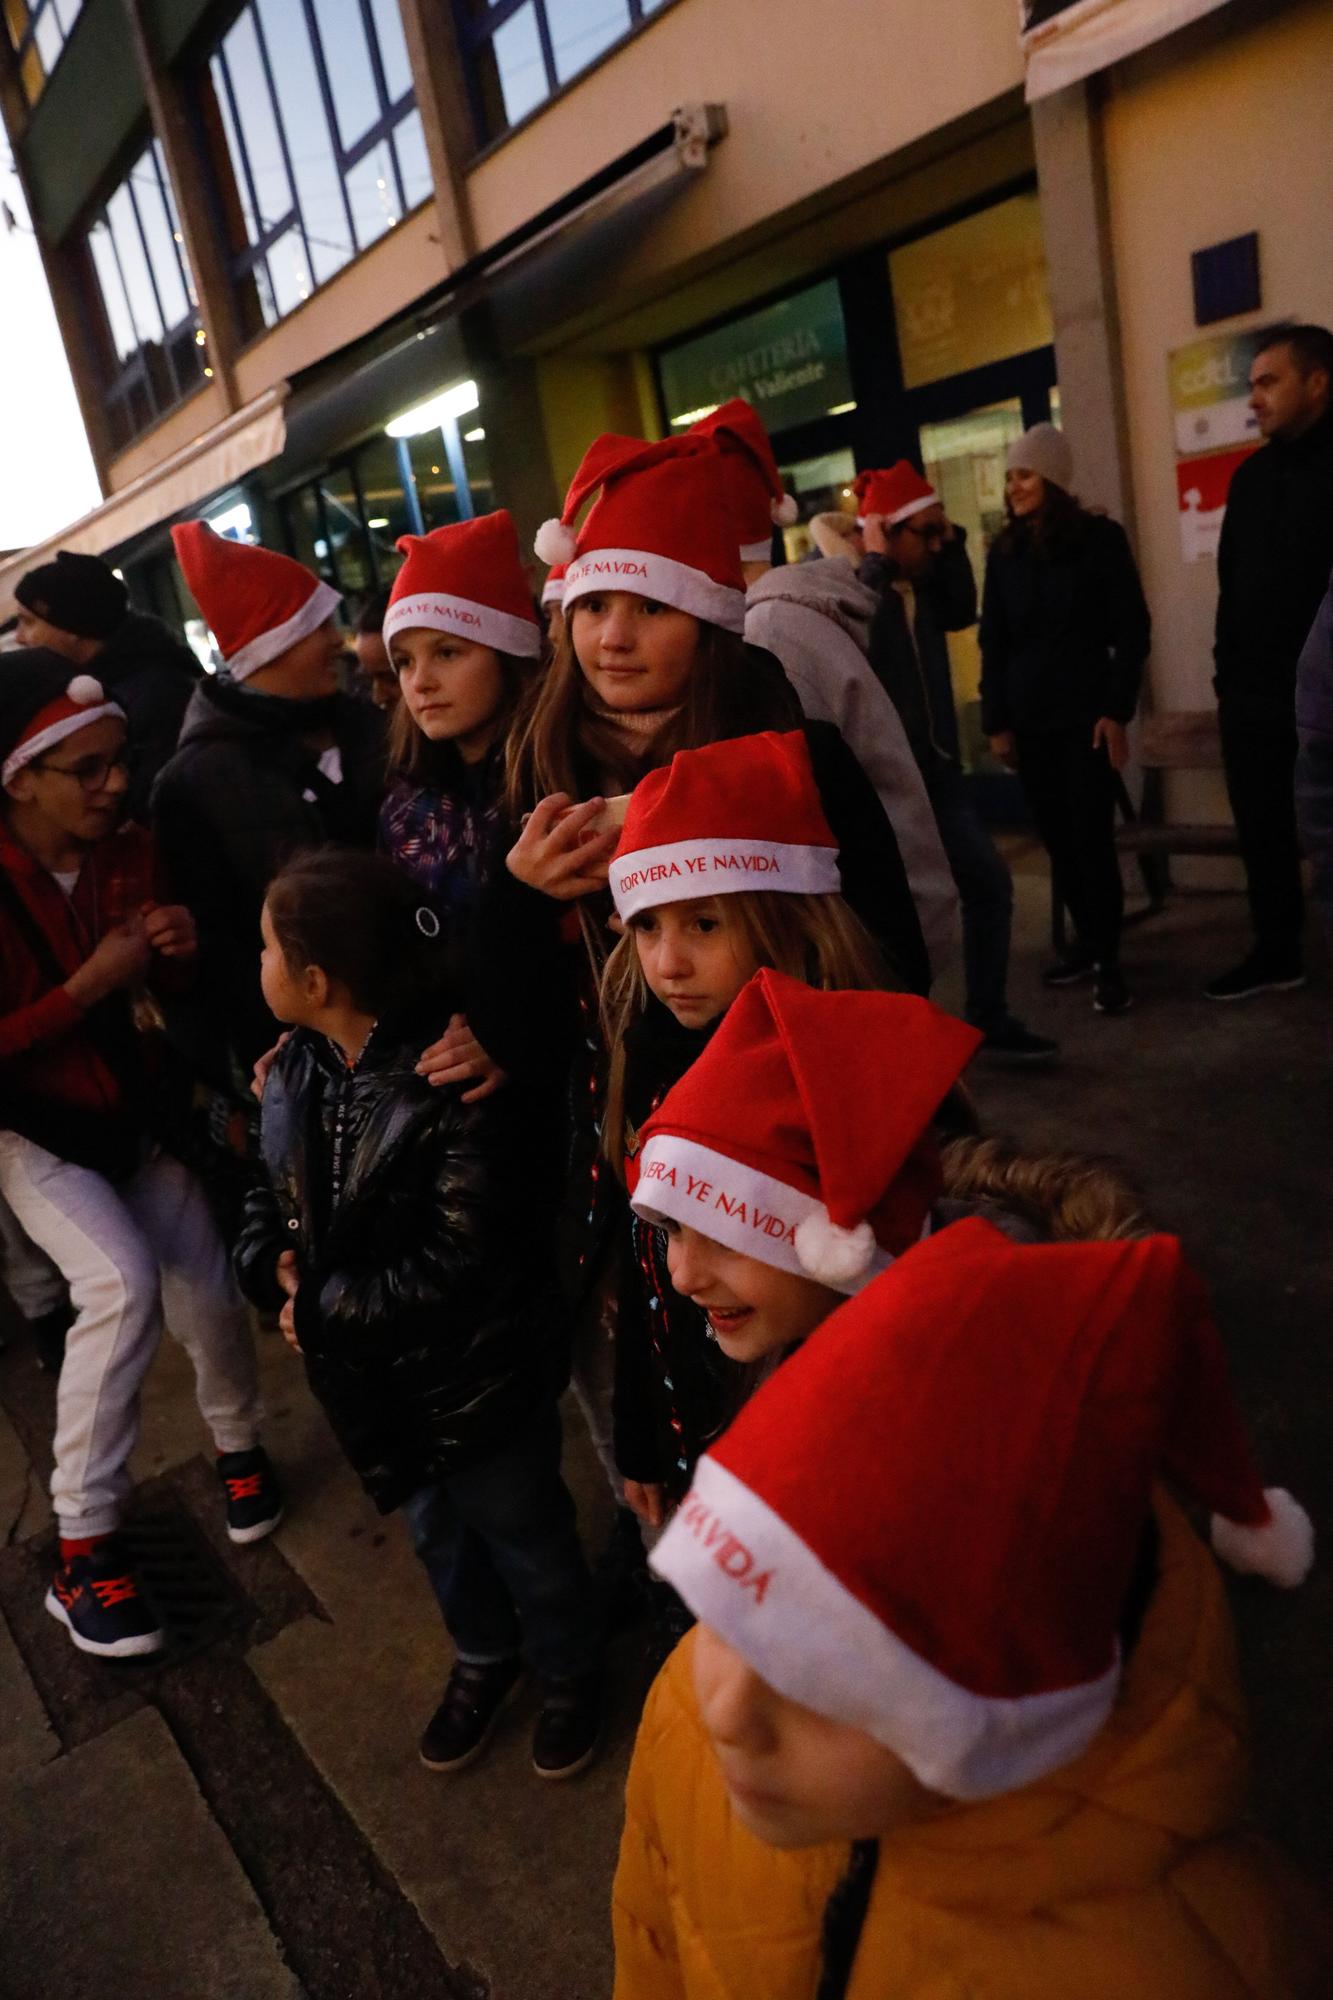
(43,1047)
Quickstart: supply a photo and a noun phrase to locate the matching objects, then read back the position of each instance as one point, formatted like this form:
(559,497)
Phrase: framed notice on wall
(1214,431)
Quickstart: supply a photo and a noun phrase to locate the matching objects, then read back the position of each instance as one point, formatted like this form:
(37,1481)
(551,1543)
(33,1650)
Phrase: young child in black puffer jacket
(416,1281)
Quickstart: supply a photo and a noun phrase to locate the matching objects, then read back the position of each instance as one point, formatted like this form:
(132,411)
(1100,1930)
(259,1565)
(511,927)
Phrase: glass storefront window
(788,359)
(316,140)
(152,345)
(971,293)
(518,53)
(821,485)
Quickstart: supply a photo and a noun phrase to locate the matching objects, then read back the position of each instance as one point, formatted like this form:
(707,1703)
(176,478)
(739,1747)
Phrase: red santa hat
(661,528)
(43,700)
(758,500)
(553,590)
(466,579)
(257,603)
(897,493)
(801,1136)
(741,814)
(925,1525)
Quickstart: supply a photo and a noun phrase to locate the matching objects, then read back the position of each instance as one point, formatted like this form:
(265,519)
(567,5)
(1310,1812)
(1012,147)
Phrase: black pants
(1259,757)
(1071,789)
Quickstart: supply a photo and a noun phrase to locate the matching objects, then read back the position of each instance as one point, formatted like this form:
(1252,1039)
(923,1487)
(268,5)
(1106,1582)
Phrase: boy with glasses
(86,936)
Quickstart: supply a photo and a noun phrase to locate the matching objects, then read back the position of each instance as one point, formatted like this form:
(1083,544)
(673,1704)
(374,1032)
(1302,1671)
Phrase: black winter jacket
(1272,570)
(243,792)
(152,674)
(425,1311)
(916,676)
(1064,631)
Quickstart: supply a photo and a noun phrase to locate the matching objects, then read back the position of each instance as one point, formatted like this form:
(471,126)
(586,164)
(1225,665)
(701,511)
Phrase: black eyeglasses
(90,773)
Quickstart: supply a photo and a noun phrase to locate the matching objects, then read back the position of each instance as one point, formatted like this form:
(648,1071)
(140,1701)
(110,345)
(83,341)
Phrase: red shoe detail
(80,1547)
(110,1590)
(247,1487)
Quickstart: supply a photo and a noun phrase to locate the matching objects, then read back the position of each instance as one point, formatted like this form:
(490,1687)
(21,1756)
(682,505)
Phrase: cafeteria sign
(788,359)
(1214,429)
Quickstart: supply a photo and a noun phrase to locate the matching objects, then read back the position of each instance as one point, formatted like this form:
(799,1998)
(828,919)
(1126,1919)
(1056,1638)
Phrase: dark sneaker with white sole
(1256,974)
(252,1494)
(1009,1041)
(97,1599)
(569,1728)
(475,1697)
(1110,995)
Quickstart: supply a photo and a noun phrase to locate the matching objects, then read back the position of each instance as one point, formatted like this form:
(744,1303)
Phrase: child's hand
(287,1327)
(259,1077)
(647,1500)
(121,959)
(562,850)
(169,930)
(458,1056)
(288,1273)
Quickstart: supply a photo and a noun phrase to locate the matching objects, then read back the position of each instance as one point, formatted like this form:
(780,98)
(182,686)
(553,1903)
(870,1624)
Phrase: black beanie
(80,594)
(31,678)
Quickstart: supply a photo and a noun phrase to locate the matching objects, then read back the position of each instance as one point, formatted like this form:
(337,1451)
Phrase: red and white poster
(1201,486)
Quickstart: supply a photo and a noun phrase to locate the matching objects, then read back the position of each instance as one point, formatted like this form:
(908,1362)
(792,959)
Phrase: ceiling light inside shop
(473,437)
(380,521)
(839,409)
(460,401)
(693,416)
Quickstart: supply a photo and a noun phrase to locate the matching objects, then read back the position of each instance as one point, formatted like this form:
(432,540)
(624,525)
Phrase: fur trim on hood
(830,586)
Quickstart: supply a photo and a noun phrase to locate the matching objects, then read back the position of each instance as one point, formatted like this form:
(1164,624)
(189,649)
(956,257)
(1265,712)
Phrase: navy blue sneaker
(97,1599)
(253,1496)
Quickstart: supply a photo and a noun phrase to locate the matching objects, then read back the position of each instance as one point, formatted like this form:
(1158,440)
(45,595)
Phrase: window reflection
(539,48)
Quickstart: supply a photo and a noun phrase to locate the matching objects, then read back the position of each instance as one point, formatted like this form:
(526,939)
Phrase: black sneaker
(252,1493)
(1070,970)
(1110,995)
(98,1600)
(1256,974)
(474,1699)
(569,1728)
(1009,1041)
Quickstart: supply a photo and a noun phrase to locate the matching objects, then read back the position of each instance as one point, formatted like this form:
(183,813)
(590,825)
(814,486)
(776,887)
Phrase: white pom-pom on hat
(784,511)
(1282,1550)
(84,691)
(555,543)
(833,1255)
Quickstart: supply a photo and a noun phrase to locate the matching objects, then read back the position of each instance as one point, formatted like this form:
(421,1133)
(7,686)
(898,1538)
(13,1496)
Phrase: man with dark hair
(1272,570)
(375,677)
(78,607)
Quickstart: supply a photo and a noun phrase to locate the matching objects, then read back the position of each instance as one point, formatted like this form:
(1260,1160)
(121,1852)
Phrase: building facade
(329,271)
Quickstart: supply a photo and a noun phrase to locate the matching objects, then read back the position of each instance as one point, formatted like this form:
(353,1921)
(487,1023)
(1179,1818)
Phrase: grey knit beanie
(1043,449)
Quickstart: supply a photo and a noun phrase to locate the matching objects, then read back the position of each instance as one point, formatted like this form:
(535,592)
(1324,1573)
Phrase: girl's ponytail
(363,922)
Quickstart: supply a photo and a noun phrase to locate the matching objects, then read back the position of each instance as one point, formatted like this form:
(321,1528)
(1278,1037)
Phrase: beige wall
(1204,142)
(814,95)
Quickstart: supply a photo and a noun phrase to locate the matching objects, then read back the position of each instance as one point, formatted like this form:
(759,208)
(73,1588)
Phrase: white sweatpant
(130,1253)
(31,1279)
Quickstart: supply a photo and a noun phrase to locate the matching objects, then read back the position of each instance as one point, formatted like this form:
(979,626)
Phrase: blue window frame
(520,53)
(152,344)
(39,30)
(317,143)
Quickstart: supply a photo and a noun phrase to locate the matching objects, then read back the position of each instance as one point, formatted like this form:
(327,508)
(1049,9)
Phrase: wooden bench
(1171,740)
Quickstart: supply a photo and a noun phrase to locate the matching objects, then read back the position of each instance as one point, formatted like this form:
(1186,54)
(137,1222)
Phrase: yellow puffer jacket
(1117,1878)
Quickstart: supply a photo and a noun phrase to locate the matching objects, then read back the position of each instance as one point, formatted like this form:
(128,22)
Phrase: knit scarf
(620,741)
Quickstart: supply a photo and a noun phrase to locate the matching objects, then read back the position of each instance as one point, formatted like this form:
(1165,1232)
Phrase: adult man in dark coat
(77,606)
(271,758)
(1272,570)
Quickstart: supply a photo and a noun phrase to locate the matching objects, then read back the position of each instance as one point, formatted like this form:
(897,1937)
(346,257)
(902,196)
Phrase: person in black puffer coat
(399,1236)
(1064,636)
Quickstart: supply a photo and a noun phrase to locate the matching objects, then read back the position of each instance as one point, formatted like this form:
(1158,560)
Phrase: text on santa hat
(728,1552)
(443,607)
(697,864)
(695,1188)
(603,566)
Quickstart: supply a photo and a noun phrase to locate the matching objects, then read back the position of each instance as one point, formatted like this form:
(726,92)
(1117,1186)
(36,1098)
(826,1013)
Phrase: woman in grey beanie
(1064,636)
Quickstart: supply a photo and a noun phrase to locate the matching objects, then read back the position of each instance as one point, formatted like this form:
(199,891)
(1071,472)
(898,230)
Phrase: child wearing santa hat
(725,864)
(961,1710)
(815,619)
(271,758)
(89,940)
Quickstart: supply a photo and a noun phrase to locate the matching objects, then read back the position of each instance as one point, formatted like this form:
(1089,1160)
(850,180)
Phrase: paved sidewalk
(249,1818)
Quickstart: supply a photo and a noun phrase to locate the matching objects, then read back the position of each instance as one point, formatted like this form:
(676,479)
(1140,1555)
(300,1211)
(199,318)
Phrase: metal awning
(242,441)
(1068,43)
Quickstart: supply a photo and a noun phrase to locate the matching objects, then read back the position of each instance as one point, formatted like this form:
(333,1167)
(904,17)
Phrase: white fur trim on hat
(553,590)
(917,506)
(86,691)
(554,543)
(682,870)
(46,739)
(321,604)
(785,511)
(658,577)
(1282,1550)
(832,1254)
(735,1205)
(751,1579)
(482,624)
(757,551)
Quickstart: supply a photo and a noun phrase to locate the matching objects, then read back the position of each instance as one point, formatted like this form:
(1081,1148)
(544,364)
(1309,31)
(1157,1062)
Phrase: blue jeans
(985,893)
(500,1544)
